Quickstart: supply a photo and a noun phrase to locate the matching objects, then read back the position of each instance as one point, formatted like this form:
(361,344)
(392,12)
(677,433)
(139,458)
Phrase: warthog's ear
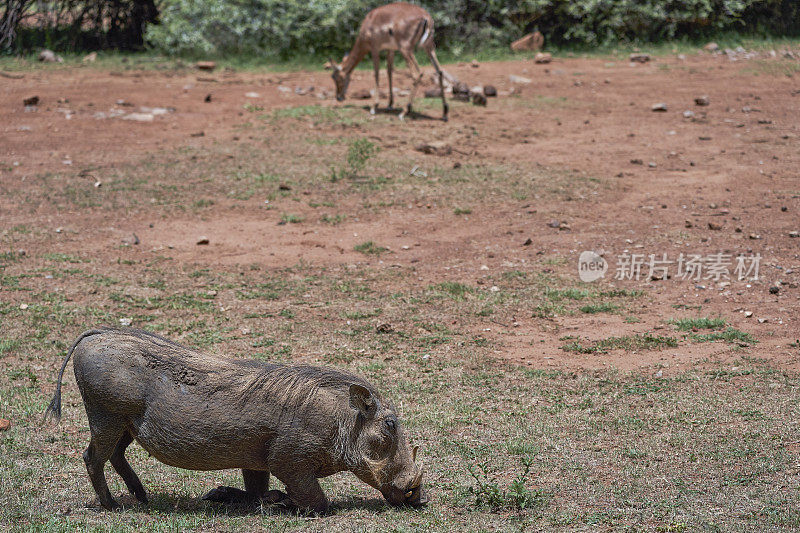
(361,399)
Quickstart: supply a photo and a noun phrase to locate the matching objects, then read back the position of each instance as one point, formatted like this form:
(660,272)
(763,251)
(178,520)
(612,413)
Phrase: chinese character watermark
(714,267)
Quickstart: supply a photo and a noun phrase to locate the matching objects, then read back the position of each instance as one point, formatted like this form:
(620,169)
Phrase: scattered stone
(688,114)
(554,224)
(435,148)
(98,184)
(385,328)
(478,98)
(794,234)
(4,424)
(140,117)
(519,79)
(652,164)
(714,227)
(531,43)
(748,314)
(252,95)
(774,289)
(124,103)
(31,100)
(711,47)
(527,242)
(702,100)
(125,322)
(48,56)
(687,224)
(202,241)
(542,58)
(660,107)
(639,58)
(208,98)
(284,187)
(763,320)
(490,91)
(361,94)
(434,92)
(205,65)
(198,134)
(637,161)
(23,306)
(754,237)
(130,240)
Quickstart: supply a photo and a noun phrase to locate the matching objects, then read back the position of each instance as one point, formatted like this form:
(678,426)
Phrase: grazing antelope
(398,27)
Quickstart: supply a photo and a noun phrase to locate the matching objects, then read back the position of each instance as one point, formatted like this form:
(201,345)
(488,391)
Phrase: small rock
(490,91)
(140,117)
(637,161)
(542,58)
(4,424)
(48,56)
(554,224)
(252,95)
(702,101)
(714,227)
(362,94)
(660,107)
(774,289)
(711,47)
(202,241)
(639,58)
(688,224)
(132,239)
(98,184)
(478,98)
(564,226)
(688,114)
(31,100)
(23,306)
(208,98)
(205,65)
(284,187)
(434,92)
(763,320)
(527,242)
(531,42)
(794,234)
(754,237)
(385,328)
(748,314)
(519,79)
(125,322)
(435,148)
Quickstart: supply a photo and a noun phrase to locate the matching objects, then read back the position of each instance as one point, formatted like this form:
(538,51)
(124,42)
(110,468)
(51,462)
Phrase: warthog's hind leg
(124,469)
(101,447)
(256,484)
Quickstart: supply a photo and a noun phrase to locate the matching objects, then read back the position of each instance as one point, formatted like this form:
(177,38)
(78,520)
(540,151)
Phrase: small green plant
(333,220)
(646,341)
(289,218)
(370,248)
(488,493)
(602,307)
(462,211)
(691,324)
(359,152)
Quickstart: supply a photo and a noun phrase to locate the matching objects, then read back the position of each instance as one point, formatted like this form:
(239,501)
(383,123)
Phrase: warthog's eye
(391,423)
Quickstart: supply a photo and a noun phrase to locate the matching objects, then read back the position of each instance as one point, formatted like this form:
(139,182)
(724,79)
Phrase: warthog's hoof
(276,496)
(228,495)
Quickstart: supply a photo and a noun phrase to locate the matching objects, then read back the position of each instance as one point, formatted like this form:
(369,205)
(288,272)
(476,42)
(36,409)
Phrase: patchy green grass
(370,248)
(646,341)
(692,324)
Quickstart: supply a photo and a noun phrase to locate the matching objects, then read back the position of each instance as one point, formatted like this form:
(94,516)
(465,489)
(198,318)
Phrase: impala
(398,27)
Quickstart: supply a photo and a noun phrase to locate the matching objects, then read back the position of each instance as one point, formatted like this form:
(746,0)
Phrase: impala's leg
(376,64)
(435,62)
(389,66)
(416,76)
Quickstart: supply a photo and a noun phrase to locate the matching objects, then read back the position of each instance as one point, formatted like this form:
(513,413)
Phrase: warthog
(203,412)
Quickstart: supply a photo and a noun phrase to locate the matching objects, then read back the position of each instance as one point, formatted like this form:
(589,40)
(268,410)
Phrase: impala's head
(341,80)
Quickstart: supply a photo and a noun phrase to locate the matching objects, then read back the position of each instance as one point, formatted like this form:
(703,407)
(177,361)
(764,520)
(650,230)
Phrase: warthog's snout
(415,497)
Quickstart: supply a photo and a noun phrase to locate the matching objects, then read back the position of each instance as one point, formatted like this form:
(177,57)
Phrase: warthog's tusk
(409,493)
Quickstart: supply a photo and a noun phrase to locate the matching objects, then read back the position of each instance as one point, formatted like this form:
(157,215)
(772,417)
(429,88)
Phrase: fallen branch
(11,76)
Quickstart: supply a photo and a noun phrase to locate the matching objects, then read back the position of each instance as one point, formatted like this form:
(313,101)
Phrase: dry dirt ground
(101,216)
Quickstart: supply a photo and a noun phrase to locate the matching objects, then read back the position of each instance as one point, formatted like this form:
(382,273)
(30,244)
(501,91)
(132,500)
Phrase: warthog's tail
(54,409)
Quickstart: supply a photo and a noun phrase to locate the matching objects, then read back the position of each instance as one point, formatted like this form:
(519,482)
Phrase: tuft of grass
(333,220)
(488,494)
(730,335)
(638,341)
(692,324)
(370,248)
(288,218)
(603,307)
(457,291)
(462,211)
